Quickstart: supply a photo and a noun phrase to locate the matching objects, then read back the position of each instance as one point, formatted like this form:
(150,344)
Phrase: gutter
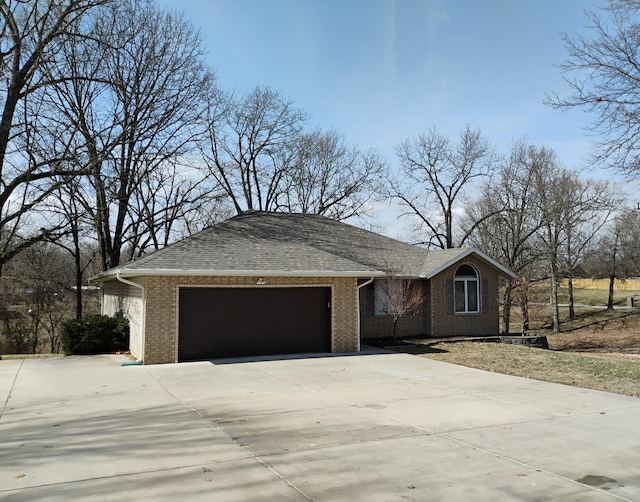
(238,273)
(144,313)
(358,306)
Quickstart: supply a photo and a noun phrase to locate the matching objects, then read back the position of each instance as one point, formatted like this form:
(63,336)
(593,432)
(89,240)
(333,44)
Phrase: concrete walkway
(364,427)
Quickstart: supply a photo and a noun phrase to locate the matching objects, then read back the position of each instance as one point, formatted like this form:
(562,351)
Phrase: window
(466,290)
(396,297)
(384,293)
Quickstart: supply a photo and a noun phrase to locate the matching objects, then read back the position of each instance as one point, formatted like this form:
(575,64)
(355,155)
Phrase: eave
(113,273)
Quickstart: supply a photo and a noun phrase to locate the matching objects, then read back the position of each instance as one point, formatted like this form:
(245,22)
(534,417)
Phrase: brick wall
(434,320)
(161,340)
(444,324)
(381,326)
(161,307)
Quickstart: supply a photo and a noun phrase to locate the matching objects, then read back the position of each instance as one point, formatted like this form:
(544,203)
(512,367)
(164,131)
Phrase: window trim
(466,280)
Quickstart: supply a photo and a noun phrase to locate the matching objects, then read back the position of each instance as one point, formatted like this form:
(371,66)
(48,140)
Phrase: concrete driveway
(370,427)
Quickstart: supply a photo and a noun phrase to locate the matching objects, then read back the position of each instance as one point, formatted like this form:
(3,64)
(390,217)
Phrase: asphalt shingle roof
(272,243)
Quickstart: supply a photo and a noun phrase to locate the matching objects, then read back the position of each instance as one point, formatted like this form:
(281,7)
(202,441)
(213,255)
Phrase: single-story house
(265,283)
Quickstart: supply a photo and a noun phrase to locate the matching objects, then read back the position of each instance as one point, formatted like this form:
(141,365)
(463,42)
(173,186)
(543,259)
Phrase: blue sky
(381,71)
(384,70)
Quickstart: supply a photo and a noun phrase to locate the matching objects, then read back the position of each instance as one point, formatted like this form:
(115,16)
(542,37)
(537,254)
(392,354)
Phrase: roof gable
(442,259)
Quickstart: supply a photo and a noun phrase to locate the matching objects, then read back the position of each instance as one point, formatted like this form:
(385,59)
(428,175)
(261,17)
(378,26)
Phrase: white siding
(120,299)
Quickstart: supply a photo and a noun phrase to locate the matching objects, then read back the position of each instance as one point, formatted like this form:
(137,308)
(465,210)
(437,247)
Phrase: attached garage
(282,283)
(239,322)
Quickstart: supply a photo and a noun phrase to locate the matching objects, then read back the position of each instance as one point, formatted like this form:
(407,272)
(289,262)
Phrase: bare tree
(399,297)
(572,211)
(251,143)
(629,229)
(143,108)
(33,153)
(588,207)
(520,293)
(616,254)
(204,216)
(40,298)
(162,203)
(603,73)
(330,178)
(503,221)
(551,181)
(72,203)
(435,175)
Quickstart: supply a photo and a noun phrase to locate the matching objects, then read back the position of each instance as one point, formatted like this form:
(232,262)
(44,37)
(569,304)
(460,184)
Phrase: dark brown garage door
(235,322)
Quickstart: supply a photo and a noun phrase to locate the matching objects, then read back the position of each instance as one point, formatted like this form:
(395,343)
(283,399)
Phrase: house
(278,283)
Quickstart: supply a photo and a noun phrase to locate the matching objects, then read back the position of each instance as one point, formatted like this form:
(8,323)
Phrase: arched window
(466,290)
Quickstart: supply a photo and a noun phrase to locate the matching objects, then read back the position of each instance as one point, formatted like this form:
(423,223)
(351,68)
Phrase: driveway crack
(215,426)
(6,401)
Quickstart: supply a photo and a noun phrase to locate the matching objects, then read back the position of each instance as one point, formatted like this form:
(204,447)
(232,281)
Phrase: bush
(96,334)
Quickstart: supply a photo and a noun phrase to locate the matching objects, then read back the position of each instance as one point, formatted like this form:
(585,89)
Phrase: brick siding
(444,324)
(162,309)
(381,326)
(435,321)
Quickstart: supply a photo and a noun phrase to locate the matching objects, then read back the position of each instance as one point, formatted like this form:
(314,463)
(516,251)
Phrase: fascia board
(235,273)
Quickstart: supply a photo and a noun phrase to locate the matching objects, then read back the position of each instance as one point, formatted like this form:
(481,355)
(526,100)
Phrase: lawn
(539,292)
(591,371)
(596,350)
(597,296)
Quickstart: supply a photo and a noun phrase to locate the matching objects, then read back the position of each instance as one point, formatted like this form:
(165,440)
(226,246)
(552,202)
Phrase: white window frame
(466,281)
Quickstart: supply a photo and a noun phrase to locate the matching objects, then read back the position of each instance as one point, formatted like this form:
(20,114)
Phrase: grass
(597,372)
(596,296)
(597,350)
(587,321)
(28,356)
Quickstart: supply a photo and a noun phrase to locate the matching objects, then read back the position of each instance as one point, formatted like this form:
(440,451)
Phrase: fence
(631,284)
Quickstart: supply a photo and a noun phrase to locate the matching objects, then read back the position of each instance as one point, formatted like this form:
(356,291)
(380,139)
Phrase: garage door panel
(234,322)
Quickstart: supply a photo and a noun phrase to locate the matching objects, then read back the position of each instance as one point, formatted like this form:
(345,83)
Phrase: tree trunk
(524,315)
(78,267)
(395,325)
(506,308)
(572,310)
(554,302)
(612,279)
(448,222)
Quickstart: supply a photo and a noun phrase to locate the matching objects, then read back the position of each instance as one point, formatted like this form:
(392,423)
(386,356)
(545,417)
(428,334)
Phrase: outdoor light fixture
(260,281)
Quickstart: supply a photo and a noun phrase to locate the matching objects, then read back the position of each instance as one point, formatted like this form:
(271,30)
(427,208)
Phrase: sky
(381,71)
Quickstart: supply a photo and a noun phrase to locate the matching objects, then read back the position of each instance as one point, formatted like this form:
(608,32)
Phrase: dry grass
(598,350)
(588,321)
(28,356)
(612,374)
(594,296)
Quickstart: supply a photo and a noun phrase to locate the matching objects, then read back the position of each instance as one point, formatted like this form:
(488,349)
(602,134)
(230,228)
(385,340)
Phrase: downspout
(358,306)
(144,316)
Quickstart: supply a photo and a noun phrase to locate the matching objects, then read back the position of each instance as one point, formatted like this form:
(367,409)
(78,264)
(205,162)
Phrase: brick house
(278,283)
